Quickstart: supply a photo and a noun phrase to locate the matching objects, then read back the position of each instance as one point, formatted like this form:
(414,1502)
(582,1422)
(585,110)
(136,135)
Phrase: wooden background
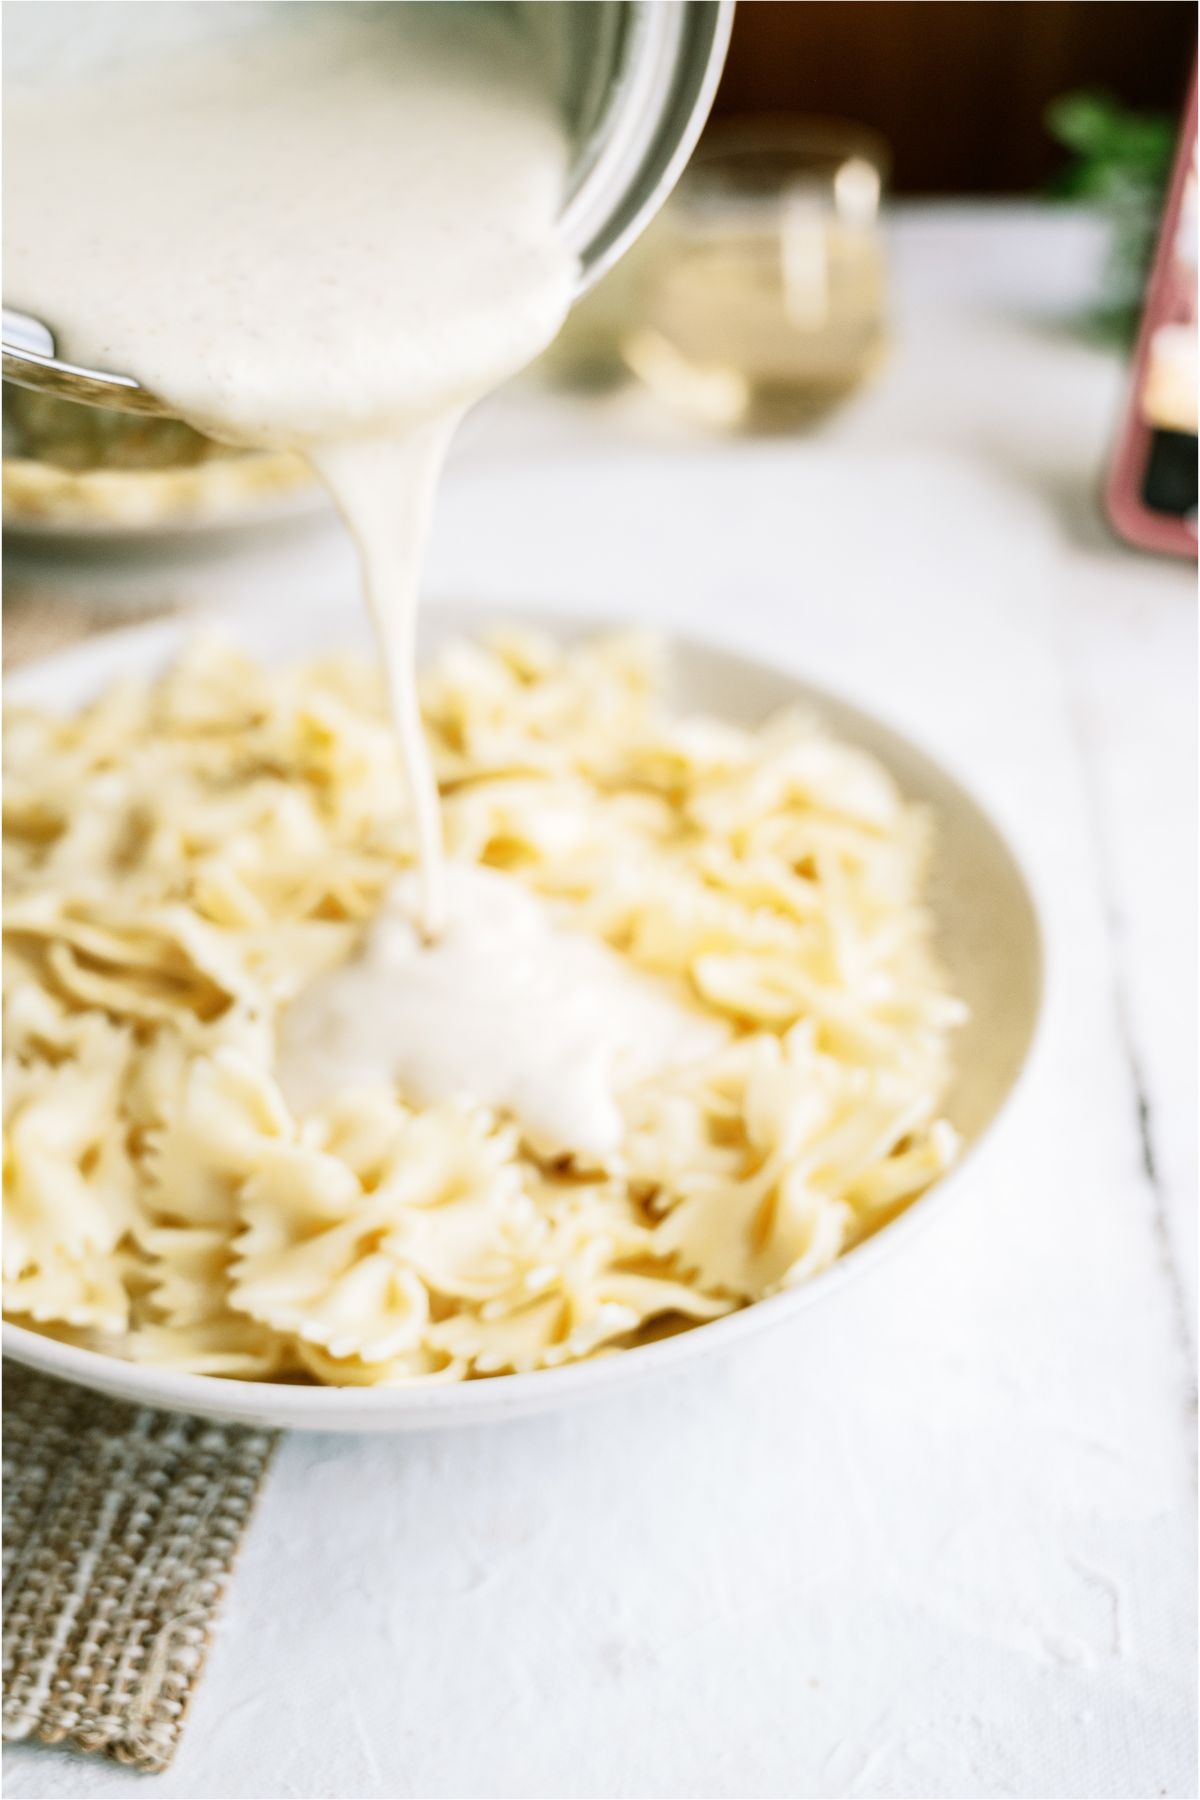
(958,87)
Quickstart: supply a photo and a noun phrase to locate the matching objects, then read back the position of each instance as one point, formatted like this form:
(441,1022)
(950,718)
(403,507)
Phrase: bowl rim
(418,1405)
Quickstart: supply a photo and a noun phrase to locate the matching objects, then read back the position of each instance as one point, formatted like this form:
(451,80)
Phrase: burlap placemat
(120,1528)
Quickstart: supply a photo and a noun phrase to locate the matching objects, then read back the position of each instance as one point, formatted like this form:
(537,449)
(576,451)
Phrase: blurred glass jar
(71,468)
(759,300)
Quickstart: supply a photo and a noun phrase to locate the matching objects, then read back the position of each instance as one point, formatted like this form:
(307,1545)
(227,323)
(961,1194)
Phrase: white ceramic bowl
(988,940)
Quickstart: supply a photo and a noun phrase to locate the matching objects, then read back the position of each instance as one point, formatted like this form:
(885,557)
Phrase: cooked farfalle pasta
(185,856)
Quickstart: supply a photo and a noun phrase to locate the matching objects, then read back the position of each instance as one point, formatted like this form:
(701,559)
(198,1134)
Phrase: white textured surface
(936,1538)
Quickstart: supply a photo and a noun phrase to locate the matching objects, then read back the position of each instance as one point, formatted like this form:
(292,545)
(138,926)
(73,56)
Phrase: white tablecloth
(937,1537)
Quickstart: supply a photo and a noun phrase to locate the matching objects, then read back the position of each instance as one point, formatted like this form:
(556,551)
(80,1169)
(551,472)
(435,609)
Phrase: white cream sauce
(508,1007)
(333,228)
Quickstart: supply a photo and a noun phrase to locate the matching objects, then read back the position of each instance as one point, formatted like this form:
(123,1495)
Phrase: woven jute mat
(121,1525)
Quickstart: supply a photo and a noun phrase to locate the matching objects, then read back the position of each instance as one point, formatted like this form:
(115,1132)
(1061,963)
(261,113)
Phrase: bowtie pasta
(186,854)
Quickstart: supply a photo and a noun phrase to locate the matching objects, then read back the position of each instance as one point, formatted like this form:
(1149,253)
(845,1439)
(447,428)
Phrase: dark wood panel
(958,87)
